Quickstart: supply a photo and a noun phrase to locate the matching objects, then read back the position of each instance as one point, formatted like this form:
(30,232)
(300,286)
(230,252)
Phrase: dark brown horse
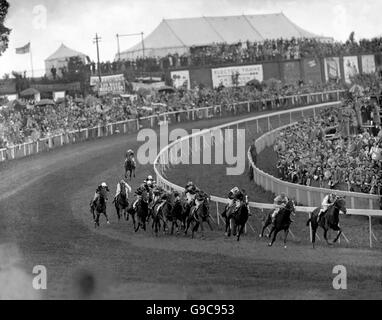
(122,204)
(237,220)
(141,211)
(227,215)
(329,220)
(130,167)
(282,222)
(161,212)
(99,207)
(198,215)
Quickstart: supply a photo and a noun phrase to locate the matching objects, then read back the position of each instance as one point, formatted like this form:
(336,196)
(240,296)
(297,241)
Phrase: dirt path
(44,220)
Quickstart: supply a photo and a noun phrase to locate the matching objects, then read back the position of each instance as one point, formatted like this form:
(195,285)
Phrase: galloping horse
(282,222)
(199,214)
(130,167)
(227,215)
(99,207)
(122,204)
(141,210)
(328,220)
(161,212)
(177,215)
(238,217)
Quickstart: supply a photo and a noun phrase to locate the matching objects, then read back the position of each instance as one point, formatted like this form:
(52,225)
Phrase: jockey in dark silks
(104,186)
(147,188)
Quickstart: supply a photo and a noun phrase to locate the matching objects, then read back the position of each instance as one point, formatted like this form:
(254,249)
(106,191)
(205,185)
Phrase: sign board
(181,79)
(240,75)
(368,64)
(109,84)
(350,67)
(332,68)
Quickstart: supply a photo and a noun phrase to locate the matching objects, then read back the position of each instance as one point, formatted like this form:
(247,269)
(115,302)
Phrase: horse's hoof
(269,244)
(260,236)
(285,247)
(108,222)
(226,234)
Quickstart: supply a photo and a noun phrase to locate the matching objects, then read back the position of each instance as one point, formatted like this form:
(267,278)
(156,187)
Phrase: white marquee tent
(60,58)
(178,35)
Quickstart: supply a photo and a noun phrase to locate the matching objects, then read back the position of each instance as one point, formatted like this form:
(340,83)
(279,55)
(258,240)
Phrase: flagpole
(30,51)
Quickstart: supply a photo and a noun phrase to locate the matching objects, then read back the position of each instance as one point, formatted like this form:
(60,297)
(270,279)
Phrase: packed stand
(321,152)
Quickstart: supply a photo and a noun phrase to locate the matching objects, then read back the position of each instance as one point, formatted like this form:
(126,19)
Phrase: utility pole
(96,41)
(119,49)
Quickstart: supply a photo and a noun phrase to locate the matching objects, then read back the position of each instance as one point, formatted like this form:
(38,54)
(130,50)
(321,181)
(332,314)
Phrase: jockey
(232,194)
(138,195)
(118,191)
(280,202)
(130,154)
(149,182)
(161,200)
(104,186)
(190,191)
(327,202)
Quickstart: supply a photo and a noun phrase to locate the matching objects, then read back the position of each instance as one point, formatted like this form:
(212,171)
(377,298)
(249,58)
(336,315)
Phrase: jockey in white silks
(130,156)
(231,196)
(327,202)
(190,191)
(118,191)
(280,202)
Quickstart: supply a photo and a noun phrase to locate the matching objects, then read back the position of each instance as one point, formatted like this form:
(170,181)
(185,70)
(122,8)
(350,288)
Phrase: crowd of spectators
(244,52)
(320,152)
(28,122)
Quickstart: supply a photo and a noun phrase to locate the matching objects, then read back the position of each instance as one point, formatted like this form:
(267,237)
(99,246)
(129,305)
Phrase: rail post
(370,233)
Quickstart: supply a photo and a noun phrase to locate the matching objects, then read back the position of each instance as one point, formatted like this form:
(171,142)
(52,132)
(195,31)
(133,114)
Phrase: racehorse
(141,210)
(177,215)
(238,217)
(282,222)
(328,220)
(227,215)
(122,204)
(99,207)
(198,215)
(130,167)
(161,212)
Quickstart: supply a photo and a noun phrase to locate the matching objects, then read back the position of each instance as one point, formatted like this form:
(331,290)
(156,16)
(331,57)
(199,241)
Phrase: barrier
(310,196)
(163,158)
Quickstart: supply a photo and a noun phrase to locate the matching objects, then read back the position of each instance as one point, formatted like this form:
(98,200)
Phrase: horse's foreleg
(285,237)
(338,235)
(326,236)
(273,230)
(241,229)
(265,225)
(107,217)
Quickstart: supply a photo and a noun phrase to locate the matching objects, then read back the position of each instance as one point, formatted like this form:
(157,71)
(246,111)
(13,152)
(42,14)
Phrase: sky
(48,23)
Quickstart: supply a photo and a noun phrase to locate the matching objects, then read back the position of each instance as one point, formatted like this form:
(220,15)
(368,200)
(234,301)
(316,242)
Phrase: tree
(4,31)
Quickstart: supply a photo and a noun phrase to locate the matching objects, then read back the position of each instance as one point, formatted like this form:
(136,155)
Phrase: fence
(310,196)
(164,158)
(133,125)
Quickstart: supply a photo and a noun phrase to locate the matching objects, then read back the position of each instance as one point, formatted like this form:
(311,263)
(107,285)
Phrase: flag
(23,50)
